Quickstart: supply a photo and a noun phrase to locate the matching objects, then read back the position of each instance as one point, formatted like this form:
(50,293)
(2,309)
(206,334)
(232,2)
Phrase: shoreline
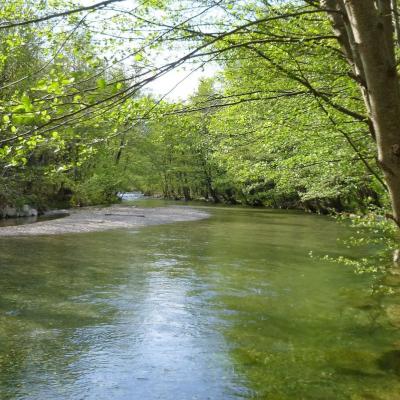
(97,219)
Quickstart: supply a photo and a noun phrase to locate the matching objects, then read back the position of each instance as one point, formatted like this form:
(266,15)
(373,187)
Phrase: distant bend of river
(231,307)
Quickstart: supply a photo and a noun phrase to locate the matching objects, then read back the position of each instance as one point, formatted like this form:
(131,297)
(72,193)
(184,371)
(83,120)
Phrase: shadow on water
(31,220)
(226,308)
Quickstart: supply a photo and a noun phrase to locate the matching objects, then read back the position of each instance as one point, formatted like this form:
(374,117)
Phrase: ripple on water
(226,308)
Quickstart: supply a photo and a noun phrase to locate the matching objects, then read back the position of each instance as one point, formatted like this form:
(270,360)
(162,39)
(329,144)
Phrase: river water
(231,307)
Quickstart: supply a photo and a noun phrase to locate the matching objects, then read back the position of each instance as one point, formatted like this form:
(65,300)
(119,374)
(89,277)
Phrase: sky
(185,85)
(178,84)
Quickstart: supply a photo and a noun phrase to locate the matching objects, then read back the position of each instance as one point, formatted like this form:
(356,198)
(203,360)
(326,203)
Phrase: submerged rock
(384,394)
(390,361)
(393,313)
(358,364)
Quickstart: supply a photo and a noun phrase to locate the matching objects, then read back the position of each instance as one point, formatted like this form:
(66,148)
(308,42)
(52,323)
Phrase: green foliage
(376,237)
(265,131)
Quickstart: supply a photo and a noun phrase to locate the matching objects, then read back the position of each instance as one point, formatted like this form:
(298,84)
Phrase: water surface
(231,307)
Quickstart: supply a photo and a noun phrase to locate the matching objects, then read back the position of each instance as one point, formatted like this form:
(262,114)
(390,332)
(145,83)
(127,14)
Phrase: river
(231,307)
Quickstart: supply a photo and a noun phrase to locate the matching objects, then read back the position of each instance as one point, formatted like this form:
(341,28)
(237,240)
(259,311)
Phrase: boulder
(28,211)
(13,212)
(10,212)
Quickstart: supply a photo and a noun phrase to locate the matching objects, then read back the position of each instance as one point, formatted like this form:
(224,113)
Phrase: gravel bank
(92,219)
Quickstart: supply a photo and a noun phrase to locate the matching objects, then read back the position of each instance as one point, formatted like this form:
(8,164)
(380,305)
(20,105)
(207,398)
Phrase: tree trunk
(366,33)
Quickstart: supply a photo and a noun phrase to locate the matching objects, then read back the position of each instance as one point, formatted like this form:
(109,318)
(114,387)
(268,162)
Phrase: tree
(293,39)
(365,31)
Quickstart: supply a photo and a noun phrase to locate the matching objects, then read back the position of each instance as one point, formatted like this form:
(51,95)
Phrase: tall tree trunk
(366,32)
(119,152)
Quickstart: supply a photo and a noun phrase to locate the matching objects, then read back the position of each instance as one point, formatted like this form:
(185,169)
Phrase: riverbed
(228,307)
(96,219)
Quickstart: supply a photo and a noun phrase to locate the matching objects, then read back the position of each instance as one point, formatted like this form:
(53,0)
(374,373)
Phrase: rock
(390,361)
(356,363)
(10,212)
(13,212)
(28,211)
(382,394)
(33,212)
(393,313)
(393,280)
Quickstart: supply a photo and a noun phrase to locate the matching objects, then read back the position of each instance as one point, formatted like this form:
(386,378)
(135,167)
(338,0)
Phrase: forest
(295,106)
(283,123)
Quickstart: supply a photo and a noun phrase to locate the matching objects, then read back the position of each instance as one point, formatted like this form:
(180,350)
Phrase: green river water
(231,307)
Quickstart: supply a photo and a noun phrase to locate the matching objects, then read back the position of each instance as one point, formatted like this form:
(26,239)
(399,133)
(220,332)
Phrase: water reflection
(226,308)
(31,220)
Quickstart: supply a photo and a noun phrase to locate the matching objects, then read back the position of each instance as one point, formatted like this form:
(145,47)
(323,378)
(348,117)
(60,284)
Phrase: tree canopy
(291,118)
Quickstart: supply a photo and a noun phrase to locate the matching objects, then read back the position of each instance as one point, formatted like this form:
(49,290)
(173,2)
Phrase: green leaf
(101,83)
(26,102)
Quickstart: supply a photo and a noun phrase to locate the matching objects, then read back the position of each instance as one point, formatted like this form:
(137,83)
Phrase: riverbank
(92,219)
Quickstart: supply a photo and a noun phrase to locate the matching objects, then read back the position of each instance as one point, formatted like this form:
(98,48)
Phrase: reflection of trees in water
(290,329)
(377,312)
(287,349)
(311,359)
(382,303)
(293,331)
(392,304)
(390,360)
